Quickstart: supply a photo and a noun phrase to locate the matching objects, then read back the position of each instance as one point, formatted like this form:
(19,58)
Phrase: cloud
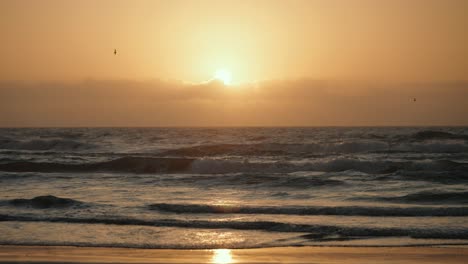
(300,102)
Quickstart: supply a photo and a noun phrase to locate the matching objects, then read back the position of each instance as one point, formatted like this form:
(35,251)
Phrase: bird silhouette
(115,51)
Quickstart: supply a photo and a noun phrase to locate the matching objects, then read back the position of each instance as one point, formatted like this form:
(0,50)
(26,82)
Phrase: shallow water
(234,187)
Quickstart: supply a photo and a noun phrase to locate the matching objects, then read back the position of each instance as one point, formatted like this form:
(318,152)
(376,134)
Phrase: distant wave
(311,210)
(125,164)
(422,141)
(258,138)
(43,202)
(433,197)
(276,149)
(445,146)
(228,149)
(317,232)
(433,134)
(43,144)
(217,166)
(327,165)
(454,176)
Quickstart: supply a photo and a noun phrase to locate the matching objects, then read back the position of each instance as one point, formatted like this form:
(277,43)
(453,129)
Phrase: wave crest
(319,231)
(433,135)
(433,197)
(47,201)
(42,144)
(219,166)
(125,164)
(311,210)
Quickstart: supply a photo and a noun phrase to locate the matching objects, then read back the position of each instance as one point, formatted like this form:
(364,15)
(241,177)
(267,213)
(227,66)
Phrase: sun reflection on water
(222,256)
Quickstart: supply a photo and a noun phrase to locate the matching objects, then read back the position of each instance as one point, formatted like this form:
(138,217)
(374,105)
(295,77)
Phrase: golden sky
(256,40)
(165,45)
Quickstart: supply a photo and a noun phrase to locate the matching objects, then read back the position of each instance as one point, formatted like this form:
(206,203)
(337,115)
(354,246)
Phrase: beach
(330,255)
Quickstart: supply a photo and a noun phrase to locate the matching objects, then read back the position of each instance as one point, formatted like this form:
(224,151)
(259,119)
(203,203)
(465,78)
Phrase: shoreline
(308,254)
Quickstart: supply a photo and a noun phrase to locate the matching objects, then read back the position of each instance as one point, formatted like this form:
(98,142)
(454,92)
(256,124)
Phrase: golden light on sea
(222,256)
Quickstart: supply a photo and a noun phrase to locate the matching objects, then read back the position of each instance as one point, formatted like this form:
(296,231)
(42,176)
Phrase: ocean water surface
(234,187)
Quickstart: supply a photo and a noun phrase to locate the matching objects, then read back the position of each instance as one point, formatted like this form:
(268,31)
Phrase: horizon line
(237,126)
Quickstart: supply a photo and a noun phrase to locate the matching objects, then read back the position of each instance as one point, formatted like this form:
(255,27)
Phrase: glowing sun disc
(223,75)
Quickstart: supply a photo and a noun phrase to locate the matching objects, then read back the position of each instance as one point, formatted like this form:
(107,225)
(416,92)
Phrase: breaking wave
(217,166)
(437,135)
(446,145)
(277,149)
(433,197)
(329,165)
(316,231)
(125,164)
(432,147)
(43,202)
(312,210)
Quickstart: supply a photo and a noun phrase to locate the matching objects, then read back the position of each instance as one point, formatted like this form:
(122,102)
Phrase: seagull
(115,52)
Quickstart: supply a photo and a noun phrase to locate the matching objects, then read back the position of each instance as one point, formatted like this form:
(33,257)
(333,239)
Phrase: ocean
(193,188)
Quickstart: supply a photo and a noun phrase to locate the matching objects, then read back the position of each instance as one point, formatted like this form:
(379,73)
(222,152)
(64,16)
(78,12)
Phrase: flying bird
(115,51)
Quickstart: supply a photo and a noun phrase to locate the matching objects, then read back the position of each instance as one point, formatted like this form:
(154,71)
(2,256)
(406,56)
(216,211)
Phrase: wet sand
(329,255)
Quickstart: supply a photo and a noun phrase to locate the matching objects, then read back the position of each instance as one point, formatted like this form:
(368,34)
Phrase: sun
(223,75)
